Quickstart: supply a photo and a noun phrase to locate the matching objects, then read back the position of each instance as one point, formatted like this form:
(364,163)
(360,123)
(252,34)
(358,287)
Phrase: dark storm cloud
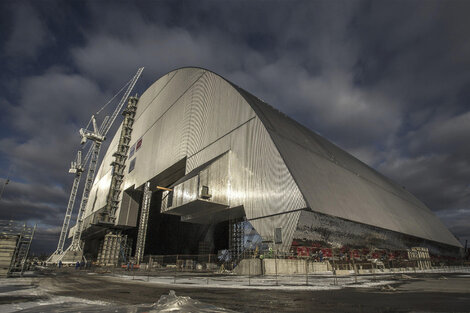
(388,81)
(28,32)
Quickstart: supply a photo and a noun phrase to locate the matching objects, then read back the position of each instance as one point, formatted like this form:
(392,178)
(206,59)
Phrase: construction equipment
(16,243)
(77,169)
(120,157)
(144,216)
(96,136)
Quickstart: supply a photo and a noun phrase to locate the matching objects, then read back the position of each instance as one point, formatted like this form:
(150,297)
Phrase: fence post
(249,271)
(373,269)
(334,267)
(306,271)
(148,270)
(275,266)
(355,269)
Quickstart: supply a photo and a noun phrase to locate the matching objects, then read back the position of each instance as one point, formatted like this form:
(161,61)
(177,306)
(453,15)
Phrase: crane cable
(87,156)
(109,101)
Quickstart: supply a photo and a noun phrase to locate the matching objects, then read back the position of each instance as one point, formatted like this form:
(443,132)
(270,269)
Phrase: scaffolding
(114,249)
(119,163)
(15,243)
(236,237)
(144,216)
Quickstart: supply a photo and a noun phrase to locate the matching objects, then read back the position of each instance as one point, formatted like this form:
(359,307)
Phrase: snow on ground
(320,281)
(297,282)
(24,289)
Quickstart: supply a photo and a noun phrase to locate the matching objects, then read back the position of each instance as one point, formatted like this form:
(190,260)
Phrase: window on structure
(169,202)
(205,192)
(278,235)
(131,151)
(131,165)
(138,145)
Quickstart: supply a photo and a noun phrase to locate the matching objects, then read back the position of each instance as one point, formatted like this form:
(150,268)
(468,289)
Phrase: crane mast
(97,139)
(76,168)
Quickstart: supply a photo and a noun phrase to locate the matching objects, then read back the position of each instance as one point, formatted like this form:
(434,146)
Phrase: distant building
(228,157)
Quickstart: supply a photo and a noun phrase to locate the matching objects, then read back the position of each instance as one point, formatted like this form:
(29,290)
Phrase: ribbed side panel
(358,200)
(165,93)
(216,109)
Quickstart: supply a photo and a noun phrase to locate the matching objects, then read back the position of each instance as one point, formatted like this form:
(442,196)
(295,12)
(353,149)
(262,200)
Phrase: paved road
(426,293)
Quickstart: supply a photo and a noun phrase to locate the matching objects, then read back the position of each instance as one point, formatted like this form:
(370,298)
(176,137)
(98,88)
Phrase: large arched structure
(228,155)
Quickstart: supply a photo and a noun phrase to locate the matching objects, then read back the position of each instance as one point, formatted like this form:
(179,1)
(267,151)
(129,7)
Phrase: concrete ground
(93,292)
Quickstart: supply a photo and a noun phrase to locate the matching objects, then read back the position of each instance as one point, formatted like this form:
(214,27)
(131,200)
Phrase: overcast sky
(387,81)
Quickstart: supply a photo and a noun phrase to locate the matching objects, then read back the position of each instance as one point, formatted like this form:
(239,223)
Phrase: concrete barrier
(249,267)
(292,266)
(343,272)
(284,266)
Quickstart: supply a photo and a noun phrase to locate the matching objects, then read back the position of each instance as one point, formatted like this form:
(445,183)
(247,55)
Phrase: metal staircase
(18,262)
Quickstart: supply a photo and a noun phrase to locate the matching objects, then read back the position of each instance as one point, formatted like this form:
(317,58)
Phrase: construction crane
(77,169)
(96,136)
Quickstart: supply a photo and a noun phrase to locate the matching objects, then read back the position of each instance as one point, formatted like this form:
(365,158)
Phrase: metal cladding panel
(163,141)
(165,93)
(152,92)
(335,183)
(287,222)
(337,232)
(185,192)
(258,179)
(129,211)
(216,178)
(108,157)
(98,194)
(102,181)
(279,123)
(216,110)
(259,176)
